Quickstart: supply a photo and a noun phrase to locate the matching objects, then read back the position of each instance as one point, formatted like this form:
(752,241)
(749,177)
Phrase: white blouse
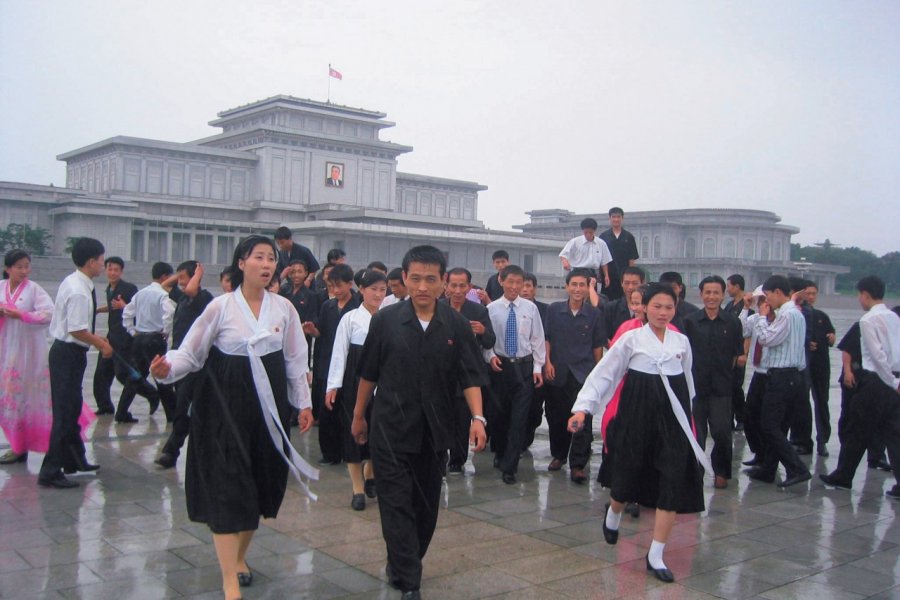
(352,330)
(640,350)
(228,324)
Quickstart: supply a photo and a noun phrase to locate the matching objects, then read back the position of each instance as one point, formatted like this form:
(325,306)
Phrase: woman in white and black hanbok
(343,381)
(251,345)
(657,462)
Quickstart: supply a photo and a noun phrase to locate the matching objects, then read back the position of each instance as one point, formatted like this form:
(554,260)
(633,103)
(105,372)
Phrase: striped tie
(512,333)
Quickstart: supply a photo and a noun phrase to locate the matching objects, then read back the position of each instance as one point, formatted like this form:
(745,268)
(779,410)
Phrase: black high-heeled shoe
(664,574)
(245,579)
(610,535)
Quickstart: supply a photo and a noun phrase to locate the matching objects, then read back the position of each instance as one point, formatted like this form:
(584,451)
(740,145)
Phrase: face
(329,287)
(335,173)
(457,287)
(284,245)
(94,266)
(712,295)
(183,278)
(19,270)
(225,283)
(528,291)
(577,288)
(341,289)
(615,220)
(274,286)
(374,294)
(732,290)
(589,234)
(424,284)
(660,310)
(113,273)
(299,275)
(812,294)
(630,283)
(775,298)
(512,286)
(397,288)
(500,263)
(636,304)
(259,266)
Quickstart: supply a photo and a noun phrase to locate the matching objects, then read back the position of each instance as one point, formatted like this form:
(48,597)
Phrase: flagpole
(329,84)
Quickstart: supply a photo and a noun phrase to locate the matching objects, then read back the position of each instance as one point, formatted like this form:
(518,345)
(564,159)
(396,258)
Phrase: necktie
(94,311)
(757,355)
(512,333)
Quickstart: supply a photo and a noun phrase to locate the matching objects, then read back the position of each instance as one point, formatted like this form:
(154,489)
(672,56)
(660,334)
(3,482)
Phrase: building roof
(150,144)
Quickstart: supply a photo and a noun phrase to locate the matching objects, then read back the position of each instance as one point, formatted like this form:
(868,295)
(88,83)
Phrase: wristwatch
(480,418)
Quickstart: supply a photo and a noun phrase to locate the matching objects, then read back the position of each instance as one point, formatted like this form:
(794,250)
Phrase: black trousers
(752,415)
(409,492)
(68,362)
(875,445)
(819,384)
(779,401)
(802,420)
(151,344)
(874,409)
(181,423)
(329,422)
(535,415)
(738,401)
(563,444)
(462,420)
(104,374)
(712,416)
(513,387)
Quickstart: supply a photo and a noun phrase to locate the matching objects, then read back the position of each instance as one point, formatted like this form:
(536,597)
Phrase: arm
(872,336)
(168,310)
(42,311)
(194,349)
(128,318)
(100,343)
(193,285)
(339,354)
(488,338)
(602,380)
(477,435)
(170,282)
(538,347)
(296,361)
(359,429)
(593,297)
(774,333)
(847,365)
(566,253)
(687,363)
(549,369)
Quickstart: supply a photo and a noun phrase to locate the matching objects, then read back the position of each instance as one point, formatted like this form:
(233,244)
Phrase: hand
(477,327)
(198,271)
(538,379)
(160,367)
(329,399)
(606,281)
(117,303)
(849,379)
(593,283)
(306,419)
(359,429)
(482,295)
(748,300)
(104,348)
(477,435)
(12,313)
(495,364)
(576,422)
(309,328)
(813,346)
(550,370)
(765,310)
(566,265)
(309,378)
(741,361)
(830,337)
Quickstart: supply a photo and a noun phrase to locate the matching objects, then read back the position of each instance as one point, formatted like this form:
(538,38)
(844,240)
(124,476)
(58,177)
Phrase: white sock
(613,519)
(655,556)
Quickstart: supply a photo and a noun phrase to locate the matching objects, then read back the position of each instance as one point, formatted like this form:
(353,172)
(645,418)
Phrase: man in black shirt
(492,289)
(683,308)
(623,248)
(288,251)
(459,282)
(536,412)
(324,328)
(717,340)
(418,353)
(823,337)
(735,289)
(190,301)
(118,293)
(617,312)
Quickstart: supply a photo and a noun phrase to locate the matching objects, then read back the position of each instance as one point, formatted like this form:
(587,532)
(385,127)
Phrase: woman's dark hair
(12,257)
(370,277)
(243,250)
(655,289)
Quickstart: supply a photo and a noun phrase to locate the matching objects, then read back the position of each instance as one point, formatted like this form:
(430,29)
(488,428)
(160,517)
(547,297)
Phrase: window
(454,209)
(690,248)
(657,247)
(132,174)
(224,248)
(749,250)
(181,247)
(154,177)
(237,185)
(137,245)
(217,184)
(203,248)
(176,180)
(157,246)
(709,247)
(645,246)
(764,250)
(469,209)
(729,249)
(528,263)
(197,182)
(777,250)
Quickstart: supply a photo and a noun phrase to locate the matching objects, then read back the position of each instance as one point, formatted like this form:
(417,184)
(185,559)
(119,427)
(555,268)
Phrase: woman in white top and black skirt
(250,344)
(657,462)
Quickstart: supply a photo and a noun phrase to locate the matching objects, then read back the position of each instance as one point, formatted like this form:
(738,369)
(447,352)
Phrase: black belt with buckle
(515,361)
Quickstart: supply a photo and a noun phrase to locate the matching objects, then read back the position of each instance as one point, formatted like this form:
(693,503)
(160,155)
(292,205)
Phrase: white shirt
(879,330)
(641,350)
(528,326)
(150,311)
(352,330)
(582,253)
(785,338)
(74,308)
(223,324)
(388,300)
(749,326)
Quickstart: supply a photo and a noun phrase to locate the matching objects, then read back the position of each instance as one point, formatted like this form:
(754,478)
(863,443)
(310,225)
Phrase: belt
(72,345)
(515,361)
(139,333)
(786,370)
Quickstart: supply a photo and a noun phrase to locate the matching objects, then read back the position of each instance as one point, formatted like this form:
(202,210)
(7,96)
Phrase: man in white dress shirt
(587,251)
(876,405)
(516,360)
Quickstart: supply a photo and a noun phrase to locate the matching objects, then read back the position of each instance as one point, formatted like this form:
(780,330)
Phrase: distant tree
(861,263)
(34,240)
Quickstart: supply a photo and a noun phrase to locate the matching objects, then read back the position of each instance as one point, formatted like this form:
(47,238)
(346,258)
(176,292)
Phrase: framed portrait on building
(334,174)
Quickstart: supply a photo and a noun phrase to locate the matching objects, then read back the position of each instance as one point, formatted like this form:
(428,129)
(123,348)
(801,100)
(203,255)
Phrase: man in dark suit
(118,294)
(459,282)
(734,287)
(336,178)
(288,251)
(823,338)
(617,312)
(418,353)
(623,247)
(536,413)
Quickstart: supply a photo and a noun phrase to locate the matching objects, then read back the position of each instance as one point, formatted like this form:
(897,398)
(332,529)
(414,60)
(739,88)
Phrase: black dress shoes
(802,450)
(393,579)
(509,478)
(822,450)
(880,464)
(664,574)
(753,462)
(795,479)
(411,595)
(80,461)
(760,474)
(578,475)
(126,418)
(154,404)
(104,411)
(610,535)
(245,579)
(58,481)
(834,482)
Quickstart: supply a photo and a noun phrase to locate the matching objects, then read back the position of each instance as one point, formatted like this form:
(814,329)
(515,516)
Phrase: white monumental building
(325,171)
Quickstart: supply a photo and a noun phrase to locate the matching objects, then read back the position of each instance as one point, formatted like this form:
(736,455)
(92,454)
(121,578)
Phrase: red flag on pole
(334,73)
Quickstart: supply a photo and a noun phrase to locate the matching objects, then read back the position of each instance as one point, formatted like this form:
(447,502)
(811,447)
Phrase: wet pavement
(125,534)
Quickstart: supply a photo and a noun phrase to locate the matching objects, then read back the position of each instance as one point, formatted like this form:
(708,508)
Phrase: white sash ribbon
(682,418)
(296,463)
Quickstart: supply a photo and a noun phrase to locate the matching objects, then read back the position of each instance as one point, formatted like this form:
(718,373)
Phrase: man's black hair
(116,260)
(777,282)
(531,277)
(512,270)
(634,271)
(738,280)
(461,271)
(378,265)
(589,223)
(335,254)
(226,272)
(712,279)
(500,254)
(671,277)
(586,273)
(426,255)
(341,273)
(615,210)
(798,284)
(84,249)
(395,274)
(282,233)
(873,285)
(189,266)
(299,261)
(160,269)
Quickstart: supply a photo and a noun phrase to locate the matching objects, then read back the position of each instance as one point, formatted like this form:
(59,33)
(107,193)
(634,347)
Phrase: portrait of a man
(334,175)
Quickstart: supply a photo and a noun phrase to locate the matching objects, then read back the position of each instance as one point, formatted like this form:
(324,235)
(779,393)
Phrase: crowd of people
(410,369)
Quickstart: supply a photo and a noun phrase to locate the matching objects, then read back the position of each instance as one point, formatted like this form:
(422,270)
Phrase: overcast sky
(792,107)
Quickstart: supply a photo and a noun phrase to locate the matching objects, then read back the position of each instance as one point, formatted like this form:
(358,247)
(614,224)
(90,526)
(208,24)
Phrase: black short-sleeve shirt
(417,373)
(573,339)
(306,302)
(623,249)
(187,310)
(117,335)
(714,345)
(327,323)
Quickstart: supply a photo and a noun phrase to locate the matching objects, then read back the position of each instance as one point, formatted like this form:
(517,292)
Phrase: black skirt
(345,402)
(652,460)
(234,472)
